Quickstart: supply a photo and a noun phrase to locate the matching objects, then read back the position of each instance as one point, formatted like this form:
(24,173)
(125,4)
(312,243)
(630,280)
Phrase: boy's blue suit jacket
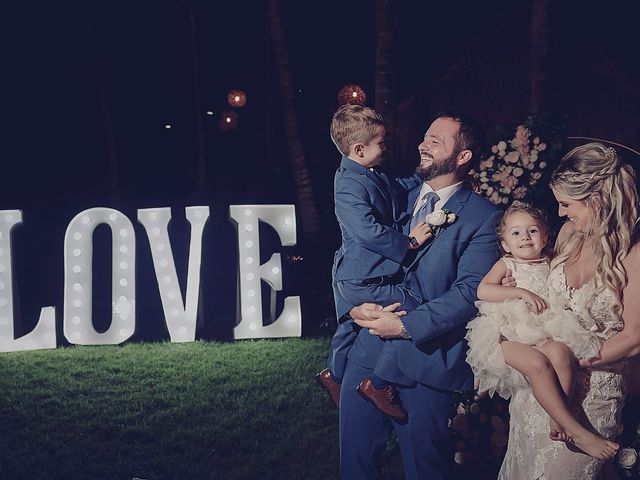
(370,209)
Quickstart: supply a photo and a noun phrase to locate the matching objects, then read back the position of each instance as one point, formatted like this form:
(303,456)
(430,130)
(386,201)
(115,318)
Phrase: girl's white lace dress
(598,399)
(513,320)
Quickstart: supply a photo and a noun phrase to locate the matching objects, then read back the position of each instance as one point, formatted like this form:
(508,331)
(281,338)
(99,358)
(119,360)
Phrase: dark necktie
(429,200)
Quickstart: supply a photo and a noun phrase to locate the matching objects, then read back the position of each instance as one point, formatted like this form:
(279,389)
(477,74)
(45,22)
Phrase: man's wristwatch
(403,332)
(414,243)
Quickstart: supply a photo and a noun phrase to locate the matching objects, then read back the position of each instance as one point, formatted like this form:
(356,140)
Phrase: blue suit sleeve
(407,184)
(456,306)
(358,218)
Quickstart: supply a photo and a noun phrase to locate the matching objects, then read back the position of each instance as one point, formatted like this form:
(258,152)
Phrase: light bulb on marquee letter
(44,334)
(250,273)
(78,274)
(180,318)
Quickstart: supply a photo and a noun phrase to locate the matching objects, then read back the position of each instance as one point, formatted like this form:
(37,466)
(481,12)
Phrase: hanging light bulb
(237,98)
(352,94)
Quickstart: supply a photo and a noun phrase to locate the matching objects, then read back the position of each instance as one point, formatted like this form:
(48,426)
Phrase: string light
(352,94)
(228,121)
(237,98)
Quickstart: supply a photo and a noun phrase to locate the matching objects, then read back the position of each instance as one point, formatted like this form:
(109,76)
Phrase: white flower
(437,218)
(627,457)
(451,217)
(502,145)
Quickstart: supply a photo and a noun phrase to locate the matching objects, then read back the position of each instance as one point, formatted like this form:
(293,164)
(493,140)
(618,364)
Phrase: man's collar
(444,193)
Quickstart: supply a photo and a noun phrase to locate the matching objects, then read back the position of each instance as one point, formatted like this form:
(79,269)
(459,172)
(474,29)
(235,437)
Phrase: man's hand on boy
(384,322)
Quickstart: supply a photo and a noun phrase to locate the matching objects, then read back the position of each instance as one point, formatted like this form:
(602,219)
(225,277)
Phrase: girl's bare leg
(549,394)
(563,362)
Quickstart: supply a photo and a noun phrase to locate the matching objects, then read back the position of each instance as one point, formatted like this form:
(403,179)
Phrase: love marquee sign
(180,315)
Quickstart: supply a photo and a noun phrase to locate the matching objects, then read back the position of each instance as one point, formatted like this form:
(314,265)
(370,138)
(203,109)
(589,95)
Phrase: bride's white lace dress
(599,396)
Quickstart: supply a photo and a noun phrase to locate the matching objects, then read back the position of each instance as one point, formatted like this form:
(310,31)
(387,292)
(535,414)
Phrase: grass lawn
(203,410)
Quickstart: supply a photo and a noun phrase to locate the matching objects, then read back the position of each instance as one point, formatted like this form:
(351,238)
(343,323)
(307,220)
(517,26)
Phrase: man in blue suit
(446,272)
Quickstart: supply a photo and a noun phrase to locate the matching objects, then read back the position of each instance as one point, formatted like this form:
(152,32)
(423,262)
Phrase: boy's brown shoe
(328,385)
(384,400)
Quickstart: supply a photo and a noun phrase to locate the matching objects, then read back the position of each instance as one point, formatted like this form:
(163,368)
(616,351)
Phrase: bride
(596,273)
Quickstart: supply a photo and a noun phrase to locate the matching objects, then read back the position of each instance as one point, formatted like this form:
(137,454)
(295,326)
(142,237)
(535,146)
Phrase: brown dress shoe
(328,385)
(384,400)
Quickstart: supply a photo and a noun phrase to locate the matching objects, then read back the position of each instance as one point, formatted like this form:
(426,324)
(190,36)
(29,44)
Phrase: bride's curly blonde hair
(595,174)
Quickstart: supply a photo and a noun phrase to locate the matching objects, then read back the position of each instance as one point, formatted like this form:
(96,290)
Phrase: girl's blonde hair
(523,207)
(595,174)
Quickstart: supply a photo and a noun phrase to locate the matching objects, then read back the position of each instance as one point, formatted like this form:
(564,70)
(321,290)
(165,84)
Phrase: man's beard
(437,169)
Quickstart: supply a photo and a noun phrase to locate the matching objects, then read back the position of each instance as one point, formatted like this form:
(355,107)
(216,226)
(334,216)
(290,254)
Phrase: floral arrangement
(517,168)
(627,460)
(479,431)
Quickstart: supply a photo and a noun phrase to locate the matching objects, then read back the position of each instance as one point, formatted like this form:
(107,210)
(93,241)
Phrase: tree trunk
(540,55)
(384,85)
(105,112)
(300,170)
(201,165)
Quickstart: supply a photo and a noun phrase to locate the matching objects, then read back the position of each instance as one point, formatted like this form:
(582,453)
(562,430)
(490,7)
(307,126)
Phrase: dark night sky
(53,144)
(52,118)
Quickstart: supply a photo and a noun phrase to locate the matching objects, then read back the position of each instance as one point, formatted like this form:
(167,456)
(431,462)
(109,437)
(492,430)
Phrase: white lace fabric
(598,398)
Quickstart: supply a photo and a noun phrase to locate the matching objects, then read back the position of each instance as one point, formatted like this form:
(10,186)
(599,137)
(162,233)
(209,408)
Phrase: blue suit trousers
(364,431)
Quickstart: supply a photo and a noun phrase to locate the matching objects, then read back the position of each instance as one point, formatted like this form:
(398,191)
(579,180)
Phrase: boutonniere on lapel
(441,218)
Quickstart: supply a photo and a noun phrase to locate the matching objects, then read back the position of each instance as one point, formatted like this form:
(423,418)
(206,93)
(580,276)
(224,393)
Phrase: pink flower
(488,163)
(512,157)
(520,192)
(509,182)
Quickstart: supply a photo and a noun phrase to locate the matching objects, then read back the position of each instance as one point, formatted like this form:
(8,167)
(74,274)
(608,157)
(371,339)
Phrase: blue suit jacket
(446,273)
(368,208)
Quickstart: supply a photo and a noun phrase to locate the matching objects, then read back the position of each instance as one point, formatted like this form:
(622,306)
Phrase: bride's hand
(586,362)
(508,280)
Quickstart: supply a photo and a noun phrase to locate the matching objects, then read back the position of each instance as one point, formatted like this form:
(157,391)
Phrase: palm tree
(384,85)
(540,55)
(201,166)
(105,111)
(300,169)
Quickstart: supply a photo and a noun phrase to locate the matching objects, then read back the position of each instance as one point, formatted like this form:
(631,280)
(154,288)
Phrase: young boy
(368,265)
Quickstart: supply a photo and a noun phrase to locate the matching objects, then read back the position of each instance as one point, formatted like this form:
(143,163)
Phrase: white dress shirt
(444,195)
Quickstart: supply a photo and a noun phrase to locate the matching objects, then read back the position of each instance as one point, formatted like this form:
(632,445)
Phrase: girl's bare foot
(594,445)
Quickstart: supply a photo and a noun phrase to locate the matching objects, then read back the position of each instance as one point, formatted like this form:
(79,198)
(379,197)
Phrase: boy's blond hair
(353,124)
